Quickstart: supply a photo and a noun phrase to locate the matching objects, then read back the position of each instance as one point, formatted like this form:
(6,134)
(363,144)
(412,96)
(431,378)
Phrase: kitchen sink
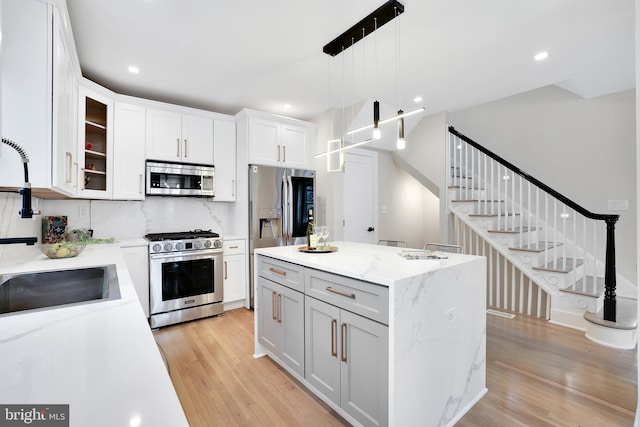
(41,290)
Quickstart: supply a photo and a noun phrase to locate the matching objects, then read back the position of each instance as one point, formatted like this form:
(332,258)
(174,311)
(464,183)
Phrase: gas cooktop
(181,235)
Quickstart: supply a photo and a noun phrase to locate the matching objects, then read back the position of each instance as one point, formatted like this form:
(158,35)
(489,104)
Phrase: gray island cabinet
(383,340)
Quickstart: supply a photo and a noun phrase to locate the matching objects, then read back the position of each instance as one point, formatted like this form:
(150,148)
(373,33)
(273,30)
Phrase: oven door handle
(181,256)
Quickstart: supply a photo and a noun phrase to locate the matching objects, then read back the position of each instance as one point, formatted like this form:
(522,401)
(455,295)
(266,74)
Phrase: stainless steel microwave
(179,179)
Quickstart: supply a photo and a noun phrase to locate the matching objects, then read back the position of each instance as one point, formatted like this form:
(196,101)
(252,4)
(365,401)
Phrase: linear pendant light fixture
(382,15)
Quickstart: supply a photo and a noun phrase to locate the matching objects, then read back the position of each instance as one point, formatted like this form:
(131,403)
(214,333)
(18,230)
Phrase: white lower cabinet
(346,359)
(137,260)
(235,275)
(281,325)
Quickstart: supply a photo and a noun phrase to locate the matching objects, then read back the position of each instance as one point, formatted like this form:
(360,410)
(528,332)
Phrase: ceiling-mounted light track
(364,27)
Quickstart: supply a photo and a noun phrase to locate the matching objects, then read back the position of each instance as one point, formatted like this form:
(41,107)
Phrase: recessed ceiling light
(417,99)
(541,56)
(287,106)
(133,70)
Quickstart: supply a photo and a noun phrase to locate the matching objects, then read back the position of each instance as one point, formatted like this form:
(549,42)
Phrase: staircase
(565,250)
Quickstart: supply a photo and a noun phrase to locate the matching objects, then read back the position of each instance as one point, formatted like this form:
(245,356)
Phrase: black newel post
(610,271)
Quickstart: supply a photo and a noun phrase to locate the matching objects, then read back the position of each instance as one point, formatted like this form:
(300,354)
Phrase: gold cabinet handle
(279,308)
(273,305)
(334,327)
(341,293)
(178,147)
(281,273)
(70,163)
(225,270)
(343,351)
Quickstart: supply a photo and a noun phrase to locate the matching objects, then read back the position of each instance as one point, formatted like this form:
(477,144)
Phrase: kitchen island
(99,358)
(381,339)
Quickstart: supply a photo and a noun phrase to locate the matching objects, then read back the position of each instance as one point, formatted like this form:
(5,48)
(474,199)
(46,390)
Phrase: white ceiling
(227,55)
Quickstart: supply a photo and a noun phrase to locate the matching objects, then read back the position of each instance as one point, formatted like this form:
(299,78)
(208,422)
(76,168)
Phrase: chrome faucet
(25,192)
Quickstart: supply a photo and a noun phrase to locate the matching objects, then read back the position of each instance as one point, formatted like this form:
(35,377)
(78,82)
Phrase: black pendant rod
(369,24)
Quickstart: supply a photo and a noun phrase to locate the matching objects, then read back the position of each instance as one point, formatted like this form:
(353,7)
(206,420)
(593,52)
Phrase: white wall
(583,148)
(425,158)
(412,211)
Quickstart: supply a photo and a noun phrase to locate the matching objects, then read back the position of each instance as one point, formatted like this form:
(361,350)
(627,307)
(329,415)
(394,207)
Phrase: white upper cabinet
(39,77)
(175,137)
(224,160)
(95,150)
(26,77)
(128,151)
(276,140)
(65,107)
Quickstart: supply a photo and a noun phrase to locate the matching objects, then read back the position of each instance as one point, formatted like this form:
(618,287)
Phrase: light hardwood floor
(538,374)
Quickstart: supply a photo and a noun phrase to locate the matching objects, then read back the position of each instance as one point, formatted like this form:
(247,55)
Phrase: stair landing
(619,334)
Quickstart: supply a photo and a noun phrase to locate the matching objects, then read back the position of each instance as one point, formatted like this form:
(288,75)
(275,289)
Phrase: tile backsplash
(120,219)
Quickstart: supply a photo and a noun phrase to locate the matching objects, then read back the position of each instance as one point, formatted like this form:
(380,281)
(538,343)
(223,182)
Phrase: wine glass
(324,235)
(320,232)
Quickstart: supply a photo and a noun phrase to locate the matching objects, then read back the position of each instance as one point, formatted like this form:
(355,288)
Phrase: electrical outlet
(450,314)
(83,212)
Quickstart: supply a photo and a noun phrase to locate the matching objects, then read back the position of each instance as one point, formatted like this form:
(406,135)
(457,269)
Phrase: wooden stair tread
(514,230)
(536,247)
(626,315)
(584,286)
(493,215)
(460,187)
(557,266)
(476,200)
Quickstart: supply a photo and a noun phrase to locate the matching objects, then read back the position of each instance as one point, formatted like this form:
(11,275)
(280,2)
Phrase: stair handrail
(533,180)
(610,220)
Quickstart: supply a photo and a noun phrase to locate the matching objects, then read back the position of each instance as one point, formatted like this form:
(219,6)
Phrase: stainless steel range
(185,276)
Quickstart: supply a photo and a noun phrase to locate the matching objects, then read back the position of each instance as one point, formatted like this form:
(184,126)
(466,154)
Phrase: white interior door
(361,196)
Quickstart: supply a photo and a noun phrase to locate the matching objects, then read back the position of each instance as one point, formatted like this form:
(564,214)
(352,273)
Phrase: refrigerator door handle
(285,210)
(290,209)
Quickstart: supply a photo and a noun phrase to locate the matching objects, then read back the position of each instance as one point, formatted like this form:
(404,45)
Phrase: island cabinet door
(269,328)
(291,306)
(322,356)
(364,369)
(281,327)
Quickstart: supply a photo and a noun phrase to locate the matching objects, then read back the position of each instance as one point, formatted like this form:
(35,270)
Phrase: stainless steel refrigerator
(279,203)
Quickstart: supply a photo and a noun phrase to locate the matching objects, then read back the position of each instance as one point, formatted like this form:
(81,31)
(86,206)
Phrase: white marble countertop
(378,264)
(100,358)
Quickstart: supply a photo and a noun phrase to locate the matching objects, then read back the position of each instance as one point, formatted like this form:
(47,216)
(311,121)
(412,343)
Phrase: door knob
(370,229)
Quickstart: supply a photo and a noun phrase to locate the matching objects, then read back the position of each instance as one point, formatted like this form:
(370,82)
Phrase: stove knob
(168,247)
(207,244)
(179,246)
(157,247)
(197,244)
(217,244)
